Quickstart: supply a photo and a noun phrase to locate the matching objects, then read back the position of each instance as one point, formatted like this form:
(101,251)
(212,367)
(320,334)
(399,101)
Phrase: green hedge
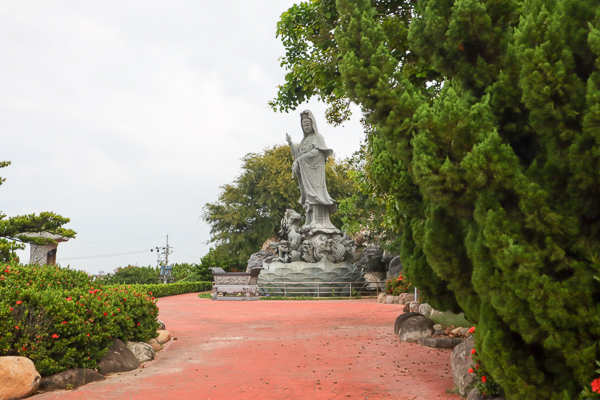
(171,289)
(60,320)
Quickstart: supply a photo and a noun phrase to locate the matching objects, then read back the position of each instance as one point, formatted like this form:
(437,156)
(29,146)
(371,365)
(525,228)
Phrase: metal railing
(320,289)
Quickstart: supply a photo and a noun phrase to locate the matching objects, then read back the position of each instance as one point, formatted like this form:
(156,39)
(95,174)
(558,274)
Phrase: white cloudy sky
(127,117)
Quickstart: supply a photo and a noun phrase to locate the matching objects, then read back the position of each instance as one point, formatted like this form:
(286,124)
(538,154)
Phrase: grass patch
(205,296)
(448,319)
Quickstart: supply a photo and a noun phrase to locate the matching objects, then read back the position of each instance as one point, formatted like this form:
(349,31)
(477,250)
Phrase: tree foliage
(249,210)
(13,228)
(494,173)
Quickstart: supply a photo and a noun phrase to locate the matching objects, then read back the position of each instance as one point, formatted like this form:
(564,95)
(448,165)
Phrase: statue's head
(308,123)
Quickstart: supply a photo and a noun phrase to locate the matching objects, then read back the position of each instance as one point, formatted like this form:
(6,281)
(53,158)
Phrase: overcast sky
(127,117)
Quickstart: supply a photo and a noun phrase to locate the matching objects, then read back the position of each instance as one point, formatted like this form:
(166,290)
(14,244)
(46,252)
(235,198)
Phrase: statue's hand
(288,138)
(295,167)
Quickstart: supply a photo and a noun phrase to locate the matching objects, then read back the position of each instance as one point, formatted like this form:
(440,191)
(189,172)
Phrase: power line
(122,240)
(176,252)
(105,255)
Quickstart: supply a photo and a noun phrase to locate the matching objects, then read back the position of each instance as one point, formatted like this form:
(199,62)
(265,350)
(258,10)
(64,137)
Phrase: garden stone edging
(425,309)
(415,328)
(70,379)
(414,306)
(439,342)
(18,377)
(401,319)
(143,351)
(406,298)
(461,360)
(118,359)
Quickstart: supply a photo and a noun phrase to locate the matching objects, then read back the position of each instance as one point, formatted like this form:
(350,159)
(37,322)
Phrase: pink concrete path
(334,349)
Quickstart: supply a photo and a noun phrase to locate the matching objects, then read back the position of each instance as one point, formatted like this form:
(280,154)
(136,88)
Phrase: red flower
(69,299)
(473,351)
(472,329)
(483,379)
(55,336)
(64,322)
(596,385)
(88,334)
(10,308)
(470,370)
(17,327)
(138,324)
(105,314)
(19,302)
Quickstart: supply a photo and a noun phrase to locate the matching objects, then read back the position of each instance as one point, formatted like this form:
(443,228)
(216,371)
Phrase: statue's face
(307,125)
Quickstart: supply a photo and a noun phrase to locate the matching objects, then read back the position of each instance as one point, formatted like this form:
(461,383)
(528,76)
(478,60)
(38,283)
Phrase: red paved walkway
(335,349)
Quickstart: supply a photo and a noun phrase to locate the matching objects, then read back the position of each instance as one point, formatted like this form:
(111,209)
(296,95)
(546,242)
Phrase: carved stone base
(321,279)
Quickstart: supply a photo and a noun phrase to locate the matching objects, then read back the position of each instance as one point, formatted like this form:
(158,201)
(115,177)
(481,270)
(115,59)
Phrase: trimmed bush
(58,319)
(172,289)
(398,285)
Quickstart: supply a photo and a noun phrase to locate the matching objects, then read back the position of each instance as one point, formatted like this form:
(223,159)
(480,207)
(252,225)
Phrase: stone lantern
(44,254)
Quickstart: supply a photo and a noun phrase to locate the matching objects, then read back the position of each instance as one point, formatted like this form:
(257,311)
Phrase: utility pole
(162,260)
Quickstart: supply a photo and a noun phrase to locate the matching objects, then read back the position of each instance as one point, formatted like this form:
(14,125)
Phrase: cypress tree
(497,174)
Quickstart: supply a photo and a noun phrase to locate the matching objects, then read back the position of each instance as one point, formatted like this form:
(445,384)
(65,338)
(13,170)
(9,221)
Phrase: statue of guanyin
(318,239)
(309,166)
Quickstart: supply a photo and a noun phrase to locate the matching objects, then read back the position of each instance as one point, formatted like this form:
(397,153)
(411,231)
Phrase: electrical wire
(176,252)
(114,241)
(104,255)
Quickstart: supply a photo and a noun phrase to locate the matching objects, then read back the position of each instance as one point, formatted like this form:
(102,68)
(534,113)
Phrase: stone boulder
(163,337)
(118,359)
(162,325)
(414,306)
(406,308)
(142,351)
(395,266)
(69,379)
(461,362)
(155,345)
(439,342)
(381,298)
(400,320)
(370,260)
(415,328)
(18,378)
(372,277)
(406,298)
(256,260)
(434,313)
(425,309)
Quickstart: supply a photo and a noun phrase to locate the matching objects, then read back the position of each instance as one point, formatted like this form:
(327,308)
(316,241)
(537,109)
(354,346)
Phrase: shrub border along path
(280,350)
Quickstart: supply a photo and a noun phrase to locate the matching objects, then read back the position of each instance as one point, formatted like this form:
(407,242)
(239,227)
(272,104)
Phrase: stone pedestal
(235,286)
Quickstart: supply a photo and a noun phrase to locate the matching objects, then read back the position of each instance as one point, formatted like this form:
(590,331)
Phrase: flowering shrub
(398,285)
(58,319)
(586,394)
(484,382)
(171,289)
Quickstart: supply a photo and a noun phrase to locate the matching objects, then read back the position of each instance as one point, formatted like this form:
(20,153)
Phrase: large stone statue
(309,165)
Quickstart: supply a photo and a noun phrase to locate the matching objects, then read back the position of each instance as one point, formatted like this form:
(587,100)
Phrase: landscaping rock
(439,332)
(406,308)
(434,313)
(381,297)
(406,298)
(391,299)
(18,378)
(400,320)
(155,345)
(456,331)
(415,328)
(464,332)
(143,351)
(118,359)
(438,327)
(163,337)
(69,379)
(395,266)
(461,361)
(414,306)
(439,342)
(425,309)
(162,325)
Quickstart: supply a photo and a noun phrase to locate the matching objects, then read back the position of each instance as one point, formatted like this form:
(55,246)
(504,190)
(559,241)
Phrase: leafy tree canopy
(13,228)
(249,210)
